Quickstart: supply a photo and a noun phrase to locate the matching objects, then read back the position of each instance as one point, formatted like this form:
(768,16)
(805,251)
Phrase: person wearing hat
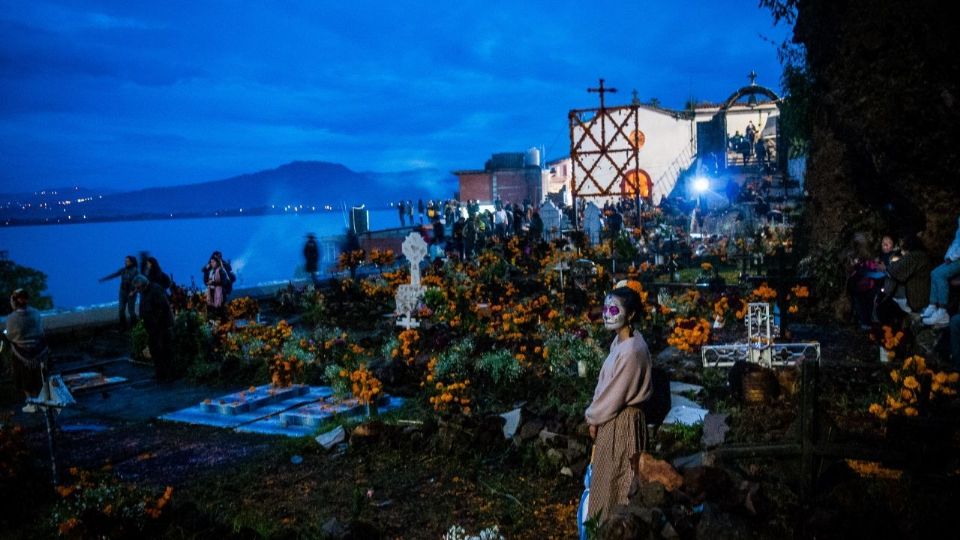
(615,418)
(311,254)
(158,321)
(30,352)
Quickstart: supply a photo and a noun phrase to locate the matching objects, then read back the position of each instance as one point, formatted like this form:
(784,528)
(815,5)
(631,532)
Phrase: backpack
(658,406)
(226,281)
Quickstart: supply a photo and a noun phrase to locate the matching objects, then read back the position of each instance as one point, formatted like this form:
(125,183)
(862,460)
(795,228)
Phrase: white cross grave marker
(409,294)
(760,347)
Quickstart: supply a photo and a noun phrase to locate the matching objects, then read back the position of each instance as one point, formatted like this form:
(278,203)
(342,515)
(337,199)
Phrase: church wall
(667,139)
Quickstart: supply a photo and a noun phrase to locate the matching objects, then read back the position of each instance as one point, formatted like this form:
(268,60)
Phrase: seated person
(863,279)
(888,251)
(908,278)
(936,313)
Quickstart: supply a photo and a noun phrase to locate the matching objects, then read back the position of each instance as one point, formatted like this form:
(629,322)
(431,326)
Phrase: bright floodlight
(700,184)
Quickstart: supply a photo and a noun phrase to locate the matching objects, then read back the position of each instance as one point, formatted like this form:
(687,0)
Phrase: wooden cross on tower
(602,90)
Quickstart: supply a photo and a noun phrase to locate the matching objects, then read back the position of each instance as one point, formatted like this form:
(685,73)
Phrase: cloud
(126,92)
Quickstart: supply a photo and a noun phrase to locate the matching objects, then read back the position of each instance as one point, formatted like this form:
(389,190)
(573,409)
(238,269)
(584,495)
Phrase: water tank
(532,158)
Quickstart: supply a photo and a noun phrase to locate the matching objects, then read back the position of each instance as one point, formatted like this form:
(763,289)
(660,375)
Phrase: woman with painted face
(616,422)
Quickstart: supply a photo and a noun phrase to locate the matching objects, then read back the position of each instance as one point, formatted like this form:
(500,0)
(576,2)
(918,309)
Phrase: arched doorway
(766,133)
(637,182)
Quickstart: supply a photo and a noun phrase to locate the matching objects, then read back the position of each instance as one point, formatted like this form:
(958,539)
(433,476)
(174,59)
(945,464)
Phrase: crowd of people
(465,228)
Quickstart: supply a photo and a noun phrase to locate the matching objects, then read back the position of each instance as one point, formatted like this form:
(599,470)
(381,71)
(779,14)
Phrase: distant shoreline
(256,212)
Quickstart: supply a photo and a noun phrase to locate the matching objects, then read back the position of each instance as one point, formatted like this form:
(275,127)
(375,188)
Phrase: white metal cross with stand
(760,347)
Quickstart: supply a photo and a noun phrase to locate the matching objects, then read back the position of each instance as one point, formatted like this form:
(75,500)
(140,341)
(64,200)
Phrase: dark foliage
(13,276)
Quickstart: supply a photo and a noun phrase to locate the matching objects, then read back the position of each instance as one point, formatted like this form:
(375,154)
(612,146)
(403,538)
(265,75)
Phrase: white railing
(665,184)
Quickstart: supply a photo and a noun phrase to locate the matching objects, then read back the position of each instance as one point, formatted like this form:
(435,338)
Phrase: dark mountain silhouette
(310,184)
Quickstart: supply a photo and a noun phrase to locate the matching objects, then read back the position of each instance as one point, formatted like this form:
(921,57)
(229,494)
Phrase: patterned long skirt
(617,440)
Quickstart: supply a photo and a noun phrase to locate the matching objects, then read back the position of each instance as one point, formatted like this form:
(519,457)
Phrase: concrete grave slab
(231,413)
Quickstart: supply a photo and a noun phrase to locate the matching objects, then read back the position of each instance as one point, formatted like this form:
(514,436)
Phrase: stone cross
(409,294)
(415,249)
(550,215)
(592,223)
(760,347)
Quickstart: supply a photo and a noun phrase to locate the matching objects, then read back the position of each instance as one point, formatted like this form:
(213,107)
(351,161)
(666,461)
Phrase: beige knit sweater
(624,380)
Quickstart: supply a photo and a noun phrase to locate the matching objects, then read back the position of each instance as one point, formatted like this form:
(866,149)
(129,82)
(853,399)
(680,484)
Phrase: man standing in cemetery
(311,255)
(158,322)
(127,297)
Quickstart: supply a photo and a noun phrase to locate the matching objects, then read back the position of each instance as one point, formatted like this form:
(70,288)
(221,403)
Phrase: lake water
(262,249)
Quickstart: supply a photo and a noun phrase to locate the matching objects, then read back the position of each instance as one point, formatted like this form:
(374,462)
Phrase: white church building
(619,150)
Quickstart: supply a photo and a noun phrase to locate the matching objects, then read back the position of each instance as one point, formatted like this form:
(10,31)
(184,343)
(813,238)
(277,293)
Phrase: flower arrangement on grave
(335,347)
(256,341)
(798,295)
(396,278)
(724,313)
(407,348)
(891,342)
(689,333)
(351,260)
(285,370)
(382,258)
(97,504)
(377,290)
(243,309)
(690,303)
(363,385)
(763,293)
(451,397)
(915,388)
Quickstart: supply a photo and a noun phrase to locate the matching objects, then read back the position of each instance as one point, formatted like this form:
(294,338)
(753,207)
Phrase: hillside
(301,183)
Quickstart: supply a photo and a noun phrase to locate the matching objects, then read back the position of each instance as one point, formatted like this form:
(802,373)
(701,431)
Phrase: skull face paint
(614,314)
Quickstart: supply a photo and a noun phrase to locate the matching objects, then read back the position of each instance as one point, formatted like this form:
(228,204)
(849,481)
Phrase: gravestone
(551,217)
(409,294)
(760,347)
(592,224)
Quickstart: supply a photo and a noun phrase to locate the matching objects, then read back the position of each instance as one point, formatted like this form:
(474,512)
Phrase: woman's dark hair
(154,265)
(20,297)
(130,258)
(911,242)
(631,301)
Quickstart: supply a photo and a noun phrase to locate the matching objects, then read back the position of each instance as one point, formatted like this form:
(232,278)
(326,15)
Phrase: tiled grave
(293,411)
(254,398)
(248,406)
(304,420)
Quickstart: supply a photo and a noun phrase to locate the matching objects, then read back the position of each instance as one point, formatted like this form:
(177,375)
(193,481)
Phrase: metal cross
(753,77)
(636,97)
(602,90)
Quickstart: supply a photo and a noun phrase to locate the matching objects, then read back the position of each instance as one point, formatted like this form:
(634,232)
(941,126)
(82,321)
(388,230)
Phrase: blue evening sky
(128,94)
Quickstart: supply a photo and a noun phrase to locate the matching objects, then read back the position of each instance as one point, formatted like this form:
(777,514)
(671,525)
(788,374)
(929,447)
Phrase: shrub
(500,366)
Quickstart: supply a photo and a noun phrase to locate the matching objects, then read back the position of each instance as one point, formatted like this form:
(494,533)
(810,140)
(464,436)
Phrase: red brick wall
(476,185)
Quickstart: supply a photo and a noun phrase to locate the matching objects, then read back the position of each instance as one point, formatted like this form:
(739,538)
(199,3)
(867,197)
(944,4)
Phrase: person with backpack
(219,278)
